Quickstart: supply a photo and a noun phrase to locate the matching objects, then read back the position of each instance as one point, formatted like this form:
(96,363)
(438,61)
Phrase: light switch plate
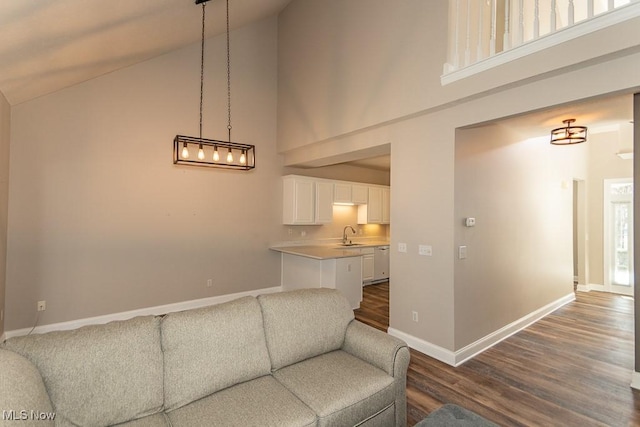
(462,252)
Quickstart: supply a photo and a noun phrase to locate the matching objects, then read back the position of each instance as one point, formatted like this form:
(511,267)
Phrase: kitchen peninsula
(328,266)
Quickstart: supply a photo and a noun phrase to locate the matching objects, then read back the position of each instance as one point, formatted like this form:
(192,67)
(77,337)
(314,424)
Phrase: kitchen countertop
(328,251)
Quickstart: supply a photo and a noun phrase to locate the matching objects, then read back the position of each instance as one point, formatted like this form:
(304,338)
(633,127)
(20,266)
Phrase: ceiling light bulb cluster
(208,153)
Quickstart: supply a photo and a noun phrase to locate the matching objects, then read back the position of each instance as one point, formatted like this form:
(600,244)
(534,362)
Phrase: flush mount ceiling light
(569,134)
(235,155)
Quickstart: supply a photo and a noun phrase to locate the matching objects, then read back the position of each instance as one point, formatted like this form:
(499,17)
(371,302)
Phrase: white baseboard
(460,356)
(157,310)
(635,380)
(425,347)
(590,287)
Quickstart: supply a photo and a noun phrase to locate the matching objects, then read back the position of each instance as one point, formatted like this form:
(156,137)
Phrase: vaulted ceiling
(47,45)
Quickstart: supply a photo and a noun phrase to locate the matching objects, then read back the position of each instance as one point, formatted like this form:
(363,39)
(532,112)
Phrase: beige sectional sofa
(286,359)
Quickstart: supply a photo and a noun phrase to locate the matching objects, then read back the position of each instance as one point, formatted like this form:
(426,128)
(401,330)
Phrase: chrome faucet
(344,234)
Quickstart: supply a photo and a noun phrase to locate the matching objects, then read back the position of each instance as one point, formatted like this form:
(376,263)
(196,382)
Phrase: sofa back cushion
(211,348)
(99,375)
(304,323)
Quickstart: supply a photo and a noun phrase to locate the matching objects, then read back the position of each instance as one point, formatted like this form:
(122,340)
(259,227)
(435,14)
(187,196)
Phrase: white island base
(344,274)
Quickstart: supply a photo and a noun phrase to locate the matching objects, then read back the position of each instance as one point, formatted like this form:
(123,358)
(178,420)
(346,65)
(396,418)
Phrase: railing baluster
(492,40)
(610,5)
(589,9)
(536,20)
(506,38)
(479,50)
(456,38)
(467,50)
(521,22)
(571,14)
(553,18)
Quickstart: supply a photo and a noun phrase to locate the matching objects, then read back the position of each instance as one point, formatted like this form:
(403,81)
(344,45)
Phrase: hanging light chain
(202,67)
(228,77)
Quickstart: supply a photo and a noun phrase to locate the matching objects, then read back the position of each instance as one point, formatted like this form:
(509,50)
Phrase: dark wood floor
(572,368)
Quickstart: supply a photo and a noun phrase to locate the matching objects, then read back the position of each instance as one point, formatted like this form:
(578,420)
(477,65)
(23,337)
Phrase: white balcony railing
(481,30)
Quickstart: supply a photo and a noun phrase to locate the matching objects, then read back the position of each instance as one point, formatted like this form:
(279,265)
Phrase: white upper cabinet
(298,200)
(347,192)
(386,205)
(342,193)
(359,194)
(306,201)
(378,207)
(309,201)
(374,206)
(324,202)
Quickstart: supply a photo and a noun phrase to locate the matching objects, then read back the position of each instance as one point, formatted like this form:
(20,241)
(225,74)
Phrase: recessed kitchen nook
(357,255)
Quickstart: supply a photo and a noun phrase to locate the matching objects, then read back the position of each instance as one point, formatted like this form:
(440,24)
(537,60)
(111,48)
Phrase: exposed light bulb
(216,155)
(229,156)
(185,151)
(243,158)
(201,153)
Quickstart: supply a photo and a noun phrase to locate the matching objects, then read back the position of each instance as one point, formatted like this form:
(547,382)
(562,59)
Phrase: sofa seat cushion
(259,402)
(212,348)
(340,388)
(99,375)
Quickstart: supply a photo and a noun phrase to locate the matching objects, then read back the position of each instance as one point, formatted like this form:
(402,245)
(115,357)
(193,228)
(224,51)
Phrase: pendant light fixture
(207,149)
(569,134)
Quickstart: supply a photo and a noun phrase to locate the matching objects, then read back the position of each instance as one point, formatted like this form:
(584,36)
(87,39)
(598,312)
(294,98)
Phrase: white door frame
(609,284)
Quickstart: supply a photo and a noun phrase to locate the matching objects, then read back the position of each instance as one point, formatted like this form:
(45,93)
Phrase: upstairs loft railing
(486,33)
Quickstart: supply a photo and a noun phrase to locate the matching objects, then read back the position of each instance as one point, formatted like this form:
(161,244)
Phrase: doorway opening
(618,236)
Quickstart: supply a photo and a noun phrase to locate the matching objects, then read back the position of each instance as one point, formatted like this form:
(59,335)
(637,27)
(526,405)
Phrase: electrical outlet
(425,250)
(1,315)
(209,283)
(42,305)
(402,247)
(414,316)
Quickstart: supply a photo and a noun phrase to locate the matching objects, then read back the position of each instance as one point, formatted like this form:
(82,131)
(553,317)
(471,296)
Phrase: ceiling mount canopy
(569,134)
(238,156)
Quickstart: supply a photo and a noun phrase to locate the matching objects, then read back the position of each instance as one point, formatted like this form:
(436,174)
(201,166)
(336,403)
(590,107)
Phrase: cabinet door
(386,205)
(298,201)
(359,194)
(324,202)
(374,205)
(349,279)
(367,267)
(342,193)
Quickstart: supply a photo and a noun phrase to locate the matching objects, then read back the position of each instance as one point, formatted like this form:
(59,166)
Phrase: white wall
(5,132)
(101,221)
(520,252)
(346,68)
(352,96)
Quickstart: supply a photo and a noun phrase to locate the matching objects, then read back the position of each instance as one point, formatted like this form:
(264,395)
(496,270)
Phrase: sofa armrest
(23,395)
(377,348)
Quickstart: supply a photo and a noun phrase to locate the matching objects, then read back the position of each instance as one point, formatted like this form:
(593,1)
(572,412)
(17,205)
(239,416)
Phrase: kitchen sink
(342,245)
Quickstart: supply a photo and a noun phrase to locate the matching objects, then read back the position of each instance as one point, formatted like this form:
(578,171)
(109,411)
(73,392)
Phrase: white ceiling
(47,45)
